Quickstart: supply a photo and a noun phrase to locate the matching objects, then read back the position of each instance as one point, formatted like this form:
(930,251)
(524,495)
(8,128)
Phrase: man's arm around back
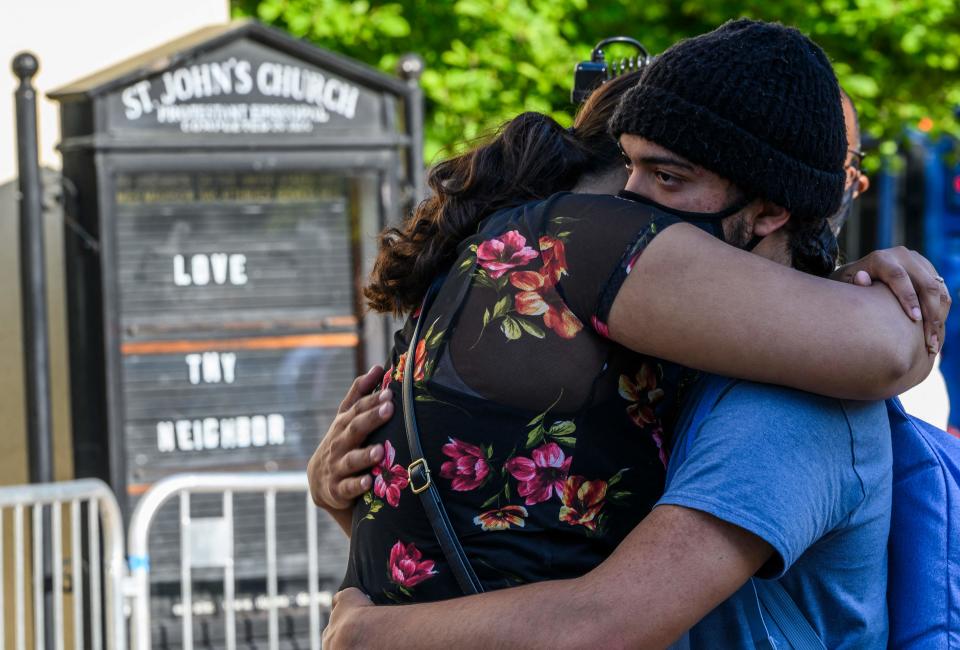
(674,568)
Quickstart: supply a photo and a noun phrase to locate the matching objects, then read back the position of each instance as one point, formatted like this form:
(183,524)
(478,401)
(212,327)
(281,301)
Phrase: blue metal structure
(886,206)
(937,177)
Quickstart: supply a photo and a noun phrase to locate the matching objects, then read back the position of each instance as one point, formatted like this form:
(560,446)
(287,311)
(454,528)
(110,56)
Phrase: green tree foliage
(487,60)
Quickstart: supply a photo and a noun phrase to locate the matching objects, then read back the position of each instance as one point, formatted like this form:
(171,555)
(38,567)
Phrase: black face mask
(710,222)
(840,217)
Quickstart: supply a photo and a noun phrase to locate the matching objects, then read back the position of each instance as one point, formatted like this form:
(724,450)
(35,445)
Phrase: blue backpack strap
(758,627)
(786,615)
(769,595)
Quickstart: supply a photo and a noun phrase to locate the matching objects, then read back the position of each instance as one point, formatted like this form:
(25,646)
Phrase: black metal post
(33,280)
(33,299)
(410,68)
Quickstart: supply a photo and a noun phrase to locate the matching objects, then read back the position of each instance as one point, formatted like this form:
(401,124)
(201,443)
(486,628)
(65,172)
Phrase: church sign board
(223,193)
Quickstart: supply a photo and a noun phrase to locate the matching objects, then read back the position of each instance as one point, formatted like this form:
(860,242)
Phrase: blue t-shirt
(812,477)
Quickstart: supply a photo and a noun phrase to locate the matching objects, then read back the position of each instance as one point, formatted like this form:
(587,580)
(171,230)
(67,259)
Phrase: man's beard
(740,233)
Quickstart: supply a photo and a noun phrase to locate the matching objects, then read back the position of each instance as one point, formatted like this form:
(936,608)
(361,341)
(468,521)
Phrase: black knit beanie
(756,103)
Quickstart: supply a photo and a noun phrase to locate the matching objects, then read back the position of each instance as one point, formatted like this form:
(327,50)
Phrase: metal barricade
(183,486)
(106,571)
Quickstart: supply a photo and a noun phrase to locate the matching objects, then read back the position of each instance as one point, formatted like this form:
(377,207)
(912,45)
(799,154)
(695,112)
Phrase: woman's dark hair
(530,157)
(813,246)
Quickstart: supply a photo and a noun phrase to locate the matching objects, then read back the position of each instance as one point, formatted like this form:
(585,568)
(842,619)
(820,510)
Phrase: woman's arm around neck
(699,302)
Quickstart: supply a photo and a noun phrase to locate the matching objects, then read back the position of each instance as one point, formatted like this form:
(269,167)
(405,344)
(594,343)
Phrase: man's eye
(666,178)
(626,161)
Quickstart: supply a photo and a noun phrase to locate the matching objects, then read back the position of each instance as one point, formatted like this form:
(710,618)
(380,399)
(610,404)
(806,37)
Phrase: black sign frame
(95,151)
(114,163)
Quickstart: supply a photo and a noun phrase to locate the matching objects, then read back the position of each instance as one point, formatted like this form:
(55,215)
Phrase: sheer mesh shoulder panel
(535,282)
(607,235)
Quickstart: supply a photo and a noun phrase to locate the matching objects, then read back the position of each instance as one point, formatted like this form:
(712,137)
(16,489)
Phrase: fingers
(353,394)
(934,300)
(341,424)
(946,300)
(341,493)
(945,303)
(886,268)
(351,596)
(345,462)
(361,386)
(365,417)
(350,487)
(353,487)
(334,466)
(340,632)
(932,296)
(359,460)
(934,314)
(863,279)
(914,281)
(923,261)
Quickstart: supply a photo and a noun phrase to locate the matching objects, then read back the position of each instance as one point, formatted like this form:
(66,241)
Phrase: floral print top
(548,442)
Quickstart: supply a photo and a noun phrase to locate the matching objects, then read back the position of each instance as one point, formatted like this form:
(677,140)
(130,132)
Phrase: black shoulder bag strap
(420,481)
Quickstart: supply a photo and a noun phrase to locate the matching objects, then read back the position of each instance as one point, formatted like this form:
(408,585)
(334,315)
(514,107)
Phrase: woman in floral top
(547,437)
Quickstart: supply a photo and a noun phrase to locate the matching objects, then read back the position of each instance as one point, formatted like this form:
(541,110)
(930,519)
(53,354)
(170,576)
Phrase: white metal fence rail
(182,486)
(109,584)
(106,570)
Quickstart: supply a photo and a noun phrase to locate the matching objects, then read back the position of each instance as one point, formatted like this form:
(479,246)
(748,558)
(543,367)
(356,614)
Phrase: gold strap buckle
(420,462)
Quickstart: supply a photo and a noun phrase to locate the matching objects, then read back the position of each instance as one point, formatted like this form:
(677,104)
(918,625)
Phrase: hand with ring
(911,277)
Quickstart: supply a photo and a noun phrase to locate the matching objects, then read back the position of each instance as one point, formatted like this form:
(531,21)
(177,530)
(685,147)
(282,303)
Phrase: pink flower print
(505,252)
(633,261)
(468,469)
(390,479)
(387,377)
(657,435)
(543,475)
(407,566)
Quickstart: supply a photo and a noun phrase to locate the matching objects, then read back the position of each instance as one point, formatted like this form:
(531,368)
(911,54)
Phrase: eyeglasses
(857,161)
